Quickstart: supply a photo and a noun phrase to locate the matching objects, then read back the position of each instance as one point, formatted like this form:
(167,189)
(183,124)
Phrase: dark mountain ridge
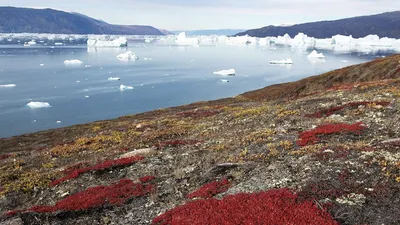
(26,20)
(384,25)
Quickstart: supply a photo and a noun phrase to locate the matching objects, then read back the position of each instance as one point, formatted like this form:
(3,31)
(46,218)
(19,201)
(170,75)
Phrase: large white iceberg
(119,42)
(73,62)
(127,56)
(230,72)
(284,61)
(183,40)
(123,87)
(7,85)
(36,105)
(315,54)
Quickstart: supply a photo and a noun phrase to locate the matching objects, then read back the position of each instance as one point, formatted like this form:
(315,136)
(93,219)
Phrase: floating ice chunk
(114,78)
(284,61)
(148,58)
(41,64)
(58,121)
(127,56)
(88,66)
(224,81)
(7,85)
(36,105)
(78,81)
(183,40)
(73,62)
(230,72)
(123,87)
(315,54)
(33,42)
(119,42)
(58,43)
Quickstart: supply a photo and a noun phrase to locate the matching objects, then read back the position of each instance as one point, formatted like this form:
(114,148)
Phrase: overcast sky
(213,14)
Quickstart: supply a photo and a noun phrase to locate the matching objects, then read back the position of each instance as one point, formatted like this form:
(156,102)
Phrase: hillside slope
(25,20)
(383,25)
(322,150)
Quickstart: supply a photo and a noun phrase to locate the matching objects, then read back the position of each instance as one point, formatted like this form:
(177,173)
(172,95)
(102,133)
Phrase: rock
(141,152)
(13,221)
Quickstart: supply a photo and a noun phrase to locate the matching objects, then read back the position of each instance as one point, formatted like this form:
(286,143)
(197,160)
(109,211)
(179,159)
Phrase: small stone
(141,152)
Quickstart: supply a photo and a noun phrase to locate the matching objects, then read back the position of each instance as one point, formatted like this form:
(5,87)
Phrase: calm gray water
(174,76)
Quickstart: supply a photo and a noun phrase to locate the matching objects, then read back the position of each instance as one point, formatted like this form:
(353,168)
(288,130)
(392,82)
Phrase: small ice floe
(73,62)
(33,42)
(36,105)
(123,87)
(41,64)
(230,72)
(78,81)
(34,121)
(87,96)
(114,78)
(7,85)
(148,59)
(225,81)
(284,61)
(315,54)
(88,66)
(127,56)
(58,43)
(58,121)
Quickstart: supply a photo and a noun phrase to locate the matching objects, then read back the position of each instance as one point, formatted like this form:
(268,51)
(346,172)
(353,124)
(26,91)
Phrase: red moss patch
(101,166)
(95,197)
(330,111)
(211,189)
(4,156)
(176,143)
(311,137)
(146,179)
(273,207)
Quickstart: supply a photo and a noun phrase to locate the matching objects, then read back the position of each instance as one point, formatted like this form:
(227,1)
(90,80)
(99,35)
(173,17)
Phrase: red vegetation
(4,156)
(95,197)
(146,179)
(101,166)
(311,137)
(176,143)
(211,189)
(272,207)
(330,111)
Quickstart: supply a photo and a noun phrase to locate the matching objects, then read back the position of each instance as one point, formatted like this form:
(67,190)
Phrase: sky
(213,14)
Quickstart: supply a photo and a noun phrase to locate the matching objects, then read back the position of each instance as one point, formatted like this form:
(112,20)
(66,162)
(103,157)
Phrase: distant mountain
(384,25)
(227,32)
(26,20)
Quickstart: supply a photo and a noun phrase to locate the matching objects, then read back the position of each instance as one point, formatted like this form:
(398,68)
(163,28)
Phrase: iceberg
(183,40)
(8,85)
(224,81)
(230,72)
(114,78)
(73,62)
(127,56)
(284,61)
(33,42)
(119,42)
(315,54)
(123,87)
(36,105)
